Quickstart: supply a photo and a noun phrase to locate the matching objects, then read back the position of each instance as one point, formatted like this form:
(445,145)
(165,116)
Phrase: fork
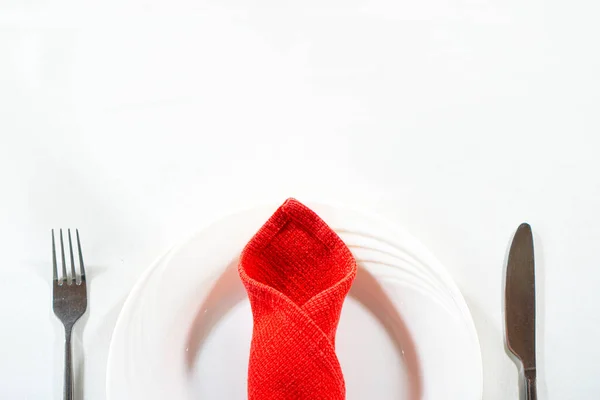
(69,295)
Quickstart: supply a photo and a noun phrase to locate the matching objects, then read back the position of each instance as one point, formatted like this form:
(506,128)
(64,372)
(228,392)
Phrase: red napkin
(297,272)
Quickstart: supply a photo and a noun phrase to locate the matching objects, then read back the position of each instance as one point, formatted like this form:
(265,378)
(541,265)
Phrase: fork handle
(530,385)
(68,387)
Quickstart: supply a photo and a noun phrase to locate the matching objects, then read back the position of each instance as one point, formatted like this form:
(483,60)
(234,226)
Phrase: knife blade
(520,304)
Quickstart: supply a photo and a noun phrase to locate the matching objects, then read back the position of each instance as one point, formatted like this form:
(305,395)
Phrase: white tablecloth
(139,122)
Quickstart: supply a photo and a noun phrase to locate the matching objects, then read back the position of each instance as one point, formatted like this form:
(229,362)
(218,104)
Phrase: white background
(139,122)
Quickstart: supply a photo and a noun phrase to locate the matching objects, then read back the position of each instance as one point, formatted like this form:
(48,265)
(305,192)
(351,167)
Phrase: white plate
(405,331)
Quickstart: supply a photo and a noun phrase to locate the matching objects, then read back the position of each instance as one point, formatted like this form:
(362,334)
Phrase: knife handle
(530,385)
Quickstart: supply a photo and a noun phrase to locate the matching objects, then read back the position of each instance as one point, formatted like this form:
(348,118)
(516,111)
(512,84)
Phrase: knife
(520,305)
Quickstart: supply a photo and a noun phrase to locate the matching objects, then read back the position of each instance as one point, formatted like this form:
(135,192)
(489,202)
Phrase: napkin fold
(297,272)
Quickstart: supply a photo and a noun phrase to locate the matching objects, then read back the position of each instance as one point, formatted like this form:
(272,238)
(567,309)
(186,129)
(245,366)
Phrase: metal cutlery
(520,305)
(69,295)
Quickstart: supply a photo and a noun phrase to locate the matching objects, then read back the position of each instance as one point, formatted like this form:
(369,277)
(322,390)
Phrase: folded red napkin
(297,272)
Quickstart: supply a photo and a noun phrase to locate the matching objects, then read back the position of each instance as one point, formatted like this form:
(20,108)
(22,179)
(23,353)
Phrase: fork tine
(65,278)
(73,275)
(80,256)
(54,267)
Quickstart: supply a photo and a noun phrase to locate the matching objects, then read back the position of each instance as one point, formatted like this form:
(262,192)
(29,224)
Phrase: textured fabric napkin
(297,272)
